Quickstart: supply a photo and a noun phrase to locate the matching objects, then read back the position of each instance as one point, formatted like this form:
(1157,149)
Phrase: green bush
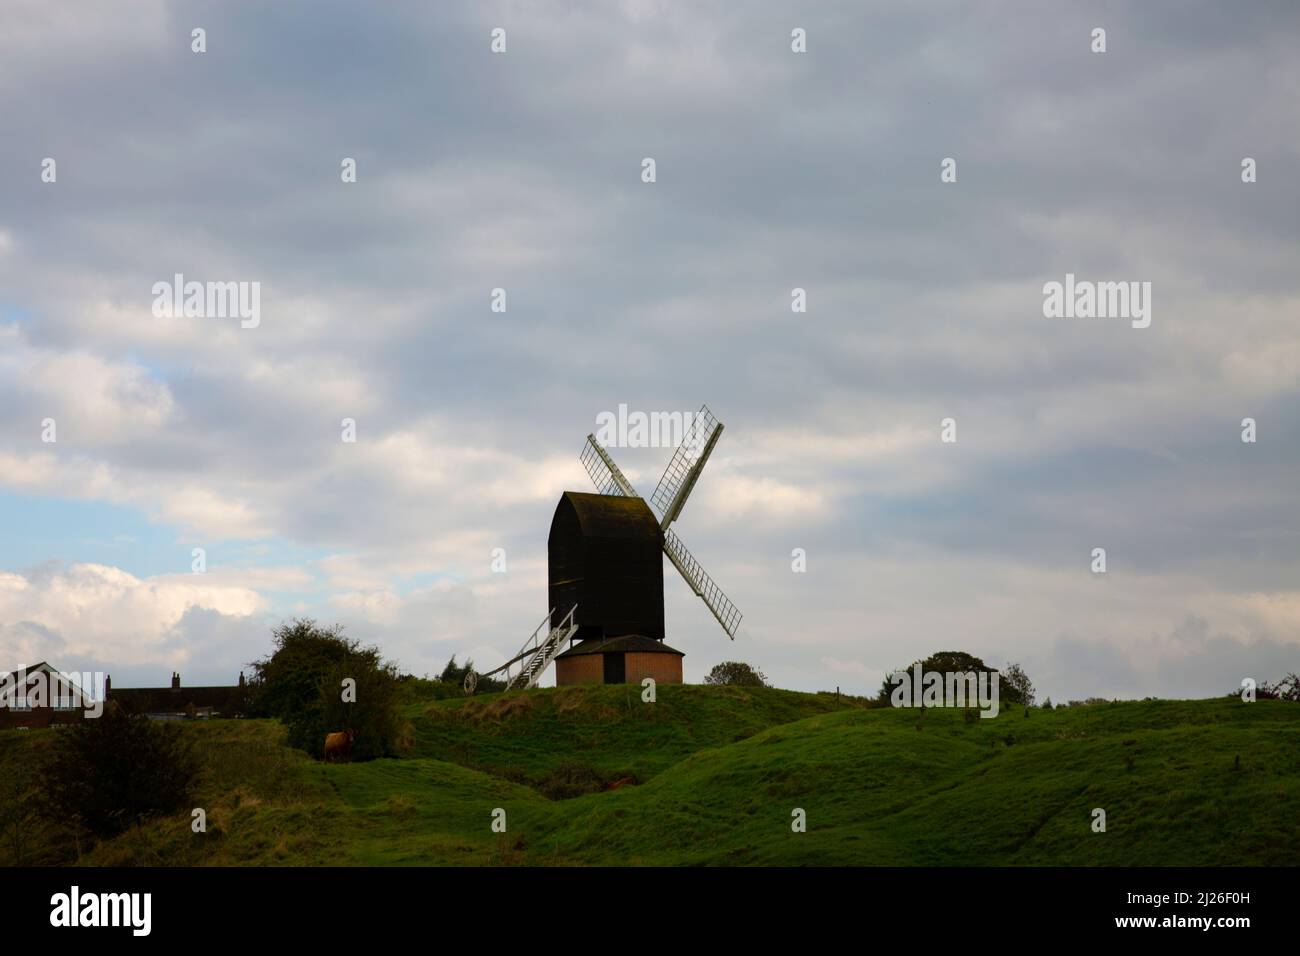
(288,681)
(736,674)
(373,711)
(1014,686)
(106,774)
(302,683)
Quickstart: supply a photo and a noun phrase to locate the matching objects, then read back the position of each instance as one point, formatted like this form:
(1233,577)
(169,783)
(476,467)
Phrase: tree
(1288,688)
(958,662)
(302,683)
(372,711)
(108,773)
(288,680)
(736,674)
(1015,677)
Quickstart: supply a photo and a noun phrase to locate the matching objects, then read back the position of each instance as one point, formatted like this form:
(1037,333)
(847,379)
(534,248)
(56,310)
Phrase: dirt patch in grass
(575,779)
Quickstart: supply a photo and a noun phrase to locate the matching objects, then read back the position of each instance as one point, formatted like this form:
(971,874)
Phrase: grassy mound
(569,740)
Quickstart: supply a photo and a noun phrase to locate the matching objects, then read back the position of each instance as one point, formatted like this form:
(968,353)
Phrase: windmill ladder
(539,651)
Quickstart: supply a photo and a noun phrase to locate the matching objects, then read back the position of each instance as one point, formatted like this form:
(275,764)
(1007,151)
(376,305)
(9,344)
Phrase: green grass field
(715,776)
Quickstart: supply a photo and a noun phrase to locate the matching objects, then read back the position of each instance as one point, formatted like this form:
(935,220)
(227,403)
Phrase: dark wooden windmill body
(605,555)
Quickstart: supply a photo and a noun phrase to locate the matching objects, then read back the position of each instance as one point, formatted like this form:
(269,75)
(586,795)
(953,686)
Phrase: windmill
(605,567)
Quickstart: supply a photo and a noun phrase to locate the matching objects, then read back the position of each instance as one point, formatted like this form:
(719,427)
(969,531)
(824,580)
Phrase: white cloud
(89,613)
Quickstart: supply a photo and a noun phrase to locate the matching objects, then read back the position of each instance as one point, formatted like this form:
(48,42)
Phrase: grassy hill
(718,772)
(560,739)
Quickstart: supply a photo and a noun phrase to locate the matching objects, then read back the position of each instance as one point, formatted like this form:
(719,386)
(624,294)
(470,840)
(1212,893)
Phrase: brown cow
(338,746)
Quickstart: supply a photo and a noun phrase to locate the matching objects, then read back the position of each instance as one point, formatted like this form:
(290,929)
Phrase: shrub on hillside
(1288,688)
(107,774)
(17,814)
(302,683)
(416,689)
(948,662)
(289,679)
(373,711)
(1015,678)
(736,674)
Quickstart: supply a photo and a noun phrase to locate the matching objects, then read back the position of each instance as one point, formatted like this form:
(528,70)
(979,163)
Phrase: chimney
(176,680)
(241,678)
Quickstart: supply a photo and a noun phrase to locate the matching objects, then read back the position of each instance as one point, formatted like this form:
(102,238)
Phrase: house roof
(635,643)
(66,683)
(168,700)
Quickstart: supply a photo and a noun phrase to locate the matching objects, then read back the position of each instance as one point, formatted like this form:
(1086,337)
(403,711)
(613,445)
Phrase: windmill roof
(612,516)
(638,643)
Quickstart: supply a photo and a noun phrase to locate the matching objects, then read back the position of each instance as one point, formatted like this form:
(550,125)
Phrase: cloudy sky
(775,170)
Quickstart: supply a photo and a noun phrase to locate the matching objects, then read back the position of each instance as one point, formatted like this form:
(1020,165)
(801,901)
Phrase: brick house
(620,660)
(40,696)
(176,701)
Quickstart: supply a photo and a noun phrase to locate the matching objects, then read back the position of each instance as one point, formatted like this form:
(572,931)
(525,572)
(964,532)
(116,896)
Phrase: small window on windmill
(615,668)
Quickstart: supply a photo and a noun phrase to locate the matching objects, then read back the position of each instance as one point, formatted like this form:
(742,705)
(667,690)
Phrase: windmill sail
(726,612)
(669,497)
(604,473)
(684,469)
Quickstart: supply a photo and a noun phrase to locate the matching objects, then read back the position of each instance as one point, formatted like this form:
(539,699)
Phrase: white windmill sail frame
(605,475)
(693,572)
(684,467)
(674,488)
